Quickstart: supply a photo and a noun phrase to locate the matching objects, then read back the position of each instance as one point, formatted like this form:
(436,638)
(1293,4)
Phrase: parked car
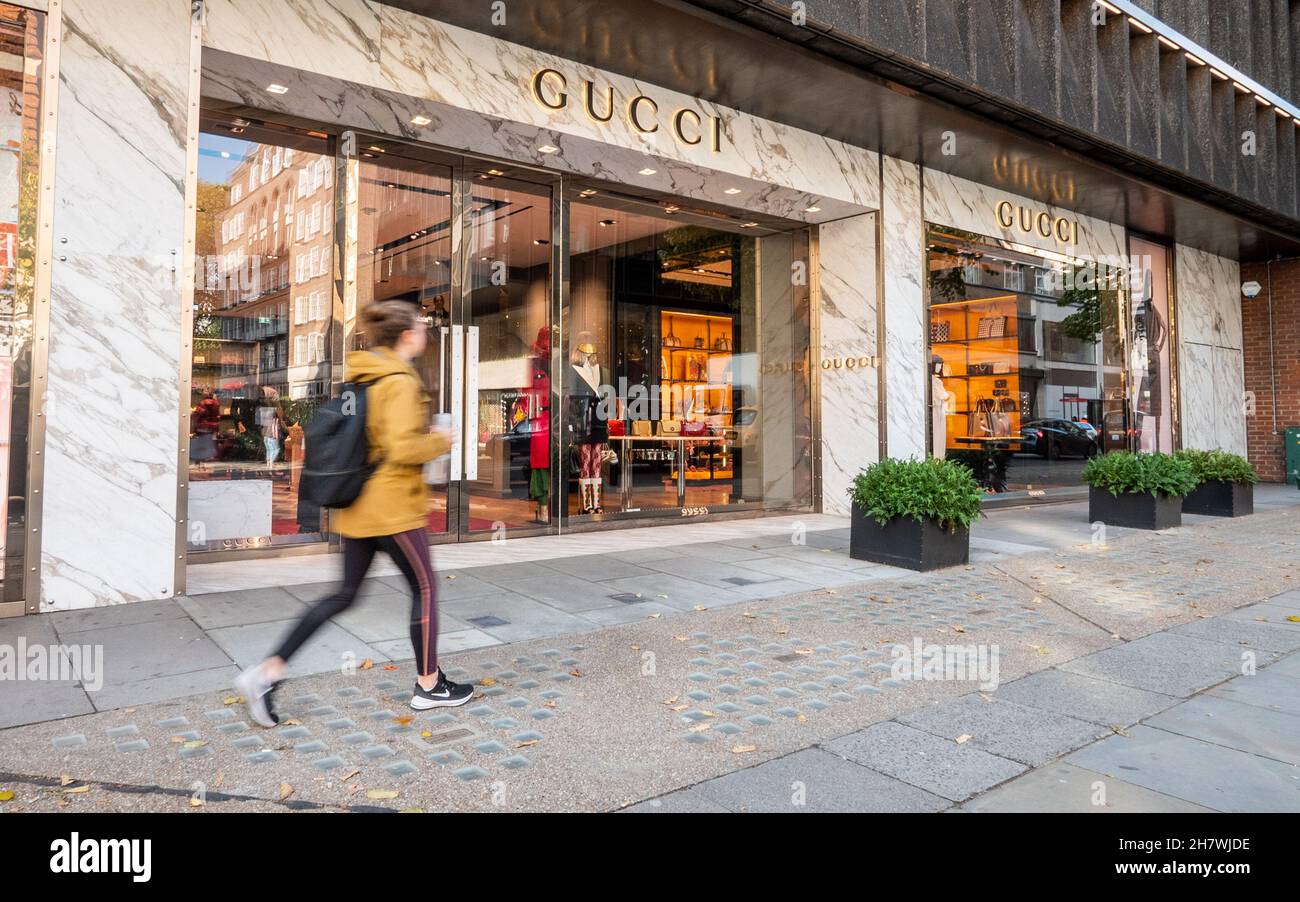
(1052,439)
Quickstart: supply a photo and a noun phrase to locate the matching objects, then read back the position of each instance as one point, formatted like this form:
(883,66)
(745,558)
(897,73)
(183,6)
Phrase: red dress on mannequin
(539,406)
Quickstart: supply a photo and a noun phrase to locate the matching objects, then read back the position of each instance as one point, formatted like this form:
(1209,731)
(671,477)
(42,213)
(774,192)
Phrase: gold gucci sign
(641,113)
(849,363)
(1037,222)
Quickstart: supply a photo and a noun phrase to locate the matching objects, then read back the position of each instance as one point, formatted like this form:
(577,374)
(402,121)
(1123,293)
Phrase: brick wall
(1266,451)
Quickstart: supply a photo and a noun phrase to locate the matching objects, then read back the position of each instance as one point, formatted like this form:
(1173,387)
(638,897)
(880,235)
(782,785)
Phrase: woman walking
(388,516)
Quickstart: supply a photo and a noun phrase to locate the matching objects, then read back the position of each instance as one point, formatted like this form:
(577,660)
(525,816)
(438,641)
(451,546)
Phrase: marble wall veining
(906,340)
(1211,365)
(850,431)
(111,463)
(972,207)
(477,92)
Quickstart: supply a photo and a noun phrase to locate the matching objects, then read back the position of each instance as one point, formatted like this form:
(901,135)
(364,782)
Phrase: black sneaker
(258,696)
(444,694)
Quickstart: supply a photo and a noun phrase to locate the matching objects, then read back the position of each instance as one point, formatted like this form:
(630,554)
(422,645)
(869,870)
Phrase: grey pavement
(1175,687)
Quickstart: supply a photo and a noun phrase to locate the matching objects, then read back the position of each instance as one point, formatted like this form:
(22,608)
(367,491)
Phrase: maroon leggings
(410,551)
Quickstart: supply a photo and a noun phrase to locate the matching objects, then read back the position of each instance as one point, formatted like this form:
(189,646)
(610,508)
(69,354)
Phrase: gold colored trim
(186,268)
(814,359)
(41,308)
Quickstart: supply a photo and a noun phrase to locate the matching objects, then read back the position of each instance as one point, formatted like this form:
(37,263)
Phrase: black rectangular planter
(904,542)
(1144,511)
(1220,499)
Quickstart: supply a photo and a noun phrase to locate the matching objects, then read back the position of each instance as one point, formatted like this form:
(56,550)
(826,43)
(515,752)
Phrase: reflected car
(1052,439)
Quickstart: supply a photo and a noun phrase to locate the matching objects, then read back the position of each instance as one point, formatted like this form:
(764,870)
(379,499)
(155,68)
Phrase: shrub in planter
(914,513)
(1225,484)
(1141,491)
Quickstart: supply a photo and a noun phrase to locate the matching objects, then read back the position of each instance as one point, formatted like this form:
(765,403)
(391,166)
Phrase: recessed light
(376,148)
(587,192)
(813,209)
(540,241)
(1193,58)
(421,120)
(225,155)
(749,225)
(648,171)
(277,89)
(495,172)
(671,208)
(732,191)
(607,222)
(548,148)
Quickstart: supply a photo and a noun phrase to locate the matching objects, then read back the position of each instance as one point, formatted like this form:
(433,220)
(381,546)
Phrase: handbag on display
(617,428)
(694,427)
(642,428)
(722,344)
(670,427)
(940,330)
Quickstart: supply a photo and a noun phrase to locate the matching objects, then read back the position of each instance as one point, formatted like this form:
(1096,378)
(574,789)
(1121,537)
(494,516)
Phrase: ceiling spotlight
(540,241)
(648,171)
(375,148)
(732,191)
(813,209)
(671,208)
(548,148)
(587,192)
(495,172)
(749,225)
(277,89)
(421,121)
(225,155)
(605,223)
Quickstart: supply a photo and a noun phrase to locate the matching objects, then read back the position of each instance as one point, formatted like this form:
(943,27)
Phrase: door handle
(471,402)
(457,370)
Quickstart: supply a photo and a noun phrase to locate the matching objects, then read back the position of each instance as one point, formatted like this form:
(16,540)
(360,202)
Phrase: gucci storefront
(644,307)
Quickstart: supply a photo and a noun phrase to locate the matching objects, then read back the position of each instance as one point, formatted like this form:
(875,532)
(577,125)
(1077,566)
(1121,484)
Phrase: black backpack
(337,462)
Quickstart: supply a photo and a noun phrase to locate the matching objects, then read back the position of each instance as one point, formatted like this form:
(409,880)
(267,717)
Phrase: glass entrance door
(471,247)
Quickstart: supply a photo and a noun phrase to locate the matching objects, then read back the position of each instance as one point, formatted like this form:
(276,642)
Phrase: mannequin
(539,441)
(588,431)
(940,400)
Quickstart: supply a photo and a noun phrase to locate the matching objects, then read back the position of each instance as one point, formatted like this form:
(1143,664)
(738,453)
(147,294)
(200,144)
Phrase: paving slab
(1275,615)
(815,781)
(1163,662)
(329,649)
(1073,694)
(235,608)
(1248,728)
(560,592)
(595,568)
(1061,788)
(1270,688)
(1196,771)
(683,801)
(1031,736)
(937,765)
(1246,634)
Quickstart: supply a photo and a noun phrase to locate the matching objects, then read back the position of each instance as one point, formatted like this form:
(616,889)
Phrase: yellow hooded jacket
(395,498)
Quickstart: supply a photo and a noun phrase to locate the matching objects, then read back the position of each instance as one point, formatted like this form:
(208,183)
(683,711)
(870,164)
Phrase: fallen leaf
(552,704)
(65,780)
(708,713)
(1118,730)
(350,776)
(672,701)
(425,734)
(742,749)
(959,629)
(526,743)
(655,616)
(390,667)
(681,638)
(803,651)
(487,681)
(411,811)
(285,791)
(802,718)
(6,795)
(963,738)
(699,607)
(575,672)
(451,576)
(367,664)
(232,700)
(194,744)
(636,648)
(291,723)
(1292,618)
(680,707)
(196,802)
(403,719)
(700,728)
(73,789)
(380,794)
